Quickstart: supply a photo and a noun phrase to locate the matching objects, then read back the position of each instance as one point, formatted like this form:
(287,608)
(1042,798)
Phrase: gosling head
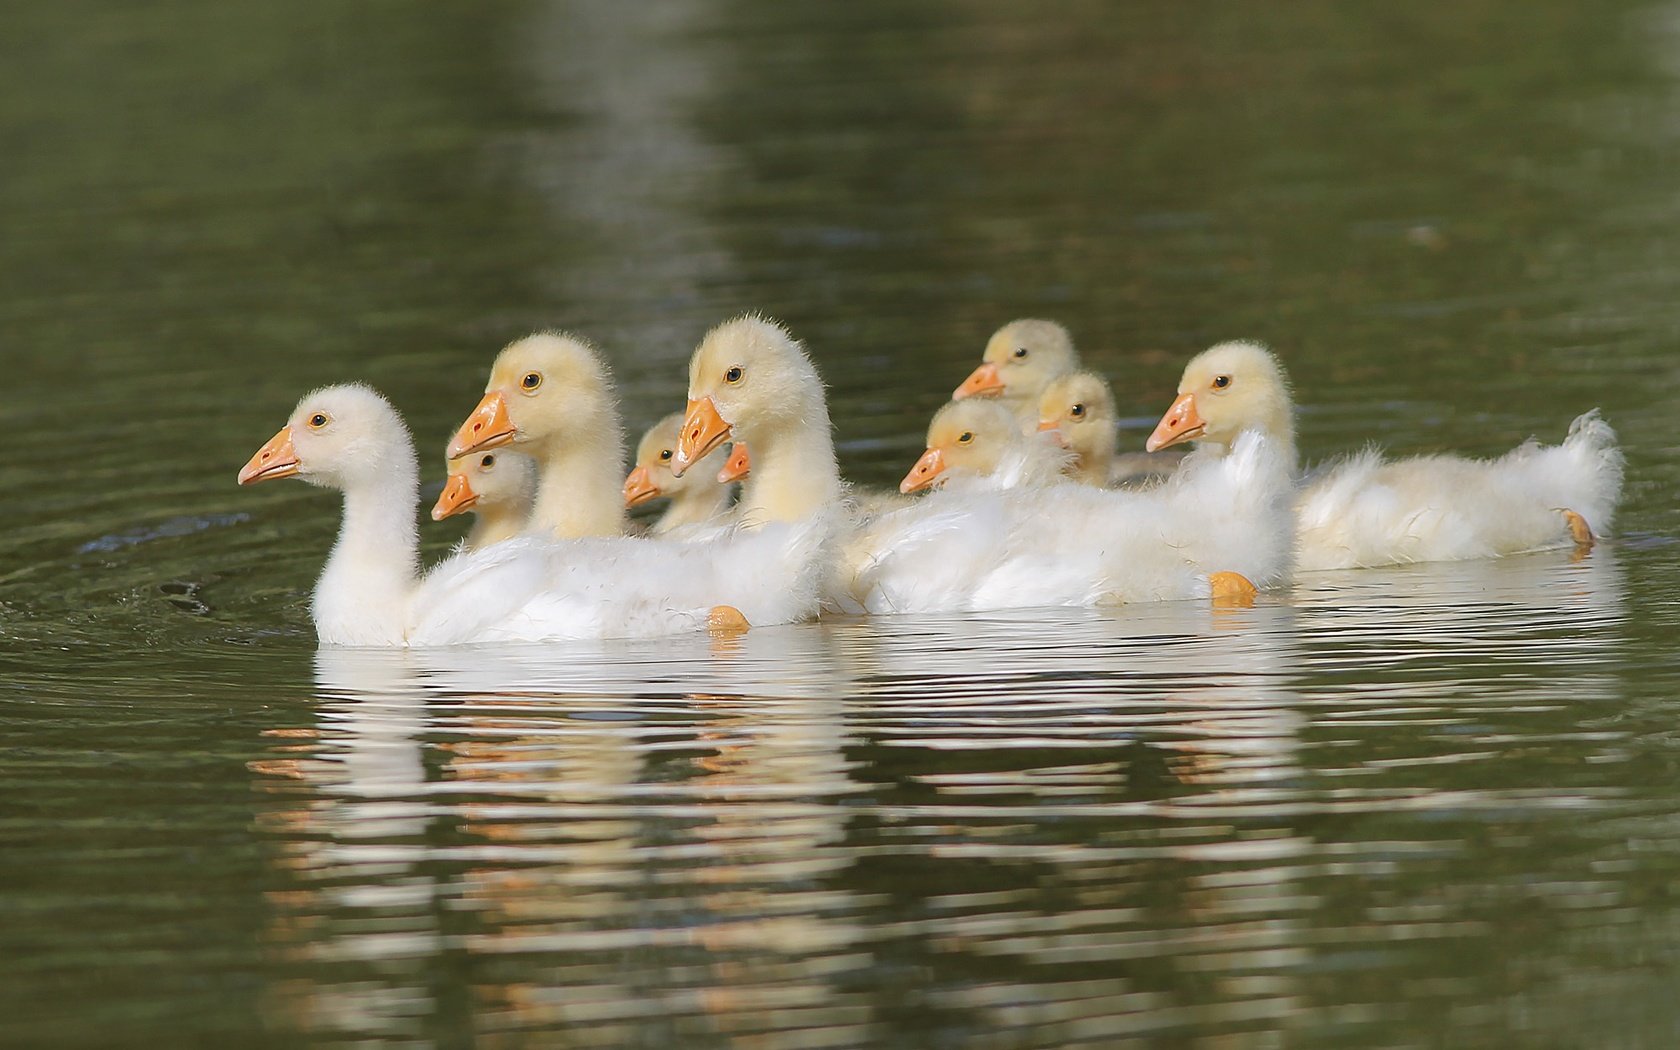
(748,379)
(965,439)
(652,476)
(492,481)
(339,437)
(1077,412)
(1020,358)
(544,390)
(1226,389)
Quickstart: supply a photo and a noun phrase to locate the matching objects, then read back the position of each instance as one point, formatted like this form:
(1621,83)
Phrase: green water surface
(1427,807)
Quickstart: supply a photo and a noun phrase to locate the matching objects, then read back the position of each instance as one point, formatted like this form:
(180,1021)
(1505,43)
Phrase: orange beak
(456,497)
(276,459)
(702,430)
(488,427)
(639,487)
(1181,423)
(738,466)
(926,471)
(1053,427)
(982,382)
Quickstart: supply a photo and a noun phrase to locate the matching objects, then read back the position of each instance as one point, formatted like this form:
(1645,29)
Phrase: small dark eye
(664,453)
(318,420)
(1221,382)
(1020,352)
(487,462)
(1076,411)
(733,375)
(531,381)
(965,437)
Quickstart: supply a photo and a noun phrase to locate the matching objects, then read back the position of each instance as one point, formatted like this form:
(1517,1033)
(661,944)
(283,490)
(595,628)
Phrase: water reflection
(1059,828)
(623,175)
(575,805)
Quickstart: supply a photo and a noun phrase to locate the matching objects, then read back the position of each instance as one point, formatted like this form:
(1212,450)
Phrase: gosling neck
(794,472)
(694,506)
(1277,427)
(362,595)
(1093,463)
(495,524)
(581,489)
(1031,461)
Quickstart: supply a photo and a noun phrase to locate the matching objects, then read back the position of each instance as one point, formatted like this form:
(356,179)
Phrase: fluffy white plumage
(530,588)
(1363,511)
(1034,461)
(974,547)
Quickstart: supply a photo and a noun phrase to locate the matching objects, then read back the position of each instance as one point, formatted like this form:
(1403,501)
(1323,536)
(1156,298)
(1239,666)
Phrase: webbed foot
(1232,590)
(727,620)
(1581,533)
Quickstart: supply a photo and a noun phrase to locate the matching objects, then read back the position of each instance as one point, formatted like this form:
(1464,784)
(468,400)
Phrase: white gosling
(550,395)
(1365,512)
(699,497)
(969,548)
(497,488)
(965,548)
(530,588)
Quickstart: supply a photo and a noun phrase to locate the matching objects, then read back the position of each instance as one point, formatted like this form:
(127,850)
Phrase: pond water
(1431,806)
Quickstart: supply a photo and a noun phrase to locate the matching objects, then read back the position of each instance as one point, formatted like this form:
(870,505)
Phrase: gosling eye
(966,437)
(1077,411)
(1221,382)
(488,461)
(318,420)
(1020,352)
(664,453)
(733,375)
(531,381)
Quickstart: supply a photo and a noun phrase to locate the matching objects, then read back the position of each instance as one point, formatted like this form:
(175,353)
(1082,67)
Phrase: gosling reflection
(717,836)
(1085,824)
(600,836)
(1541,627)
(1048,826)
(351,837)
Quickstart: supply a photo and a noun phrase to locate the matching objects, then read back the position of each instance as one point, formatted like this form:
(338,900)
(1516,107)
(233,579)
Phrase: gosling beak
(702,430)
(639,488)
(738,466)
(456,497)
(1053,429)
(982,382)
(926,471)
(276,459)
(1181,423)
(488,427)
